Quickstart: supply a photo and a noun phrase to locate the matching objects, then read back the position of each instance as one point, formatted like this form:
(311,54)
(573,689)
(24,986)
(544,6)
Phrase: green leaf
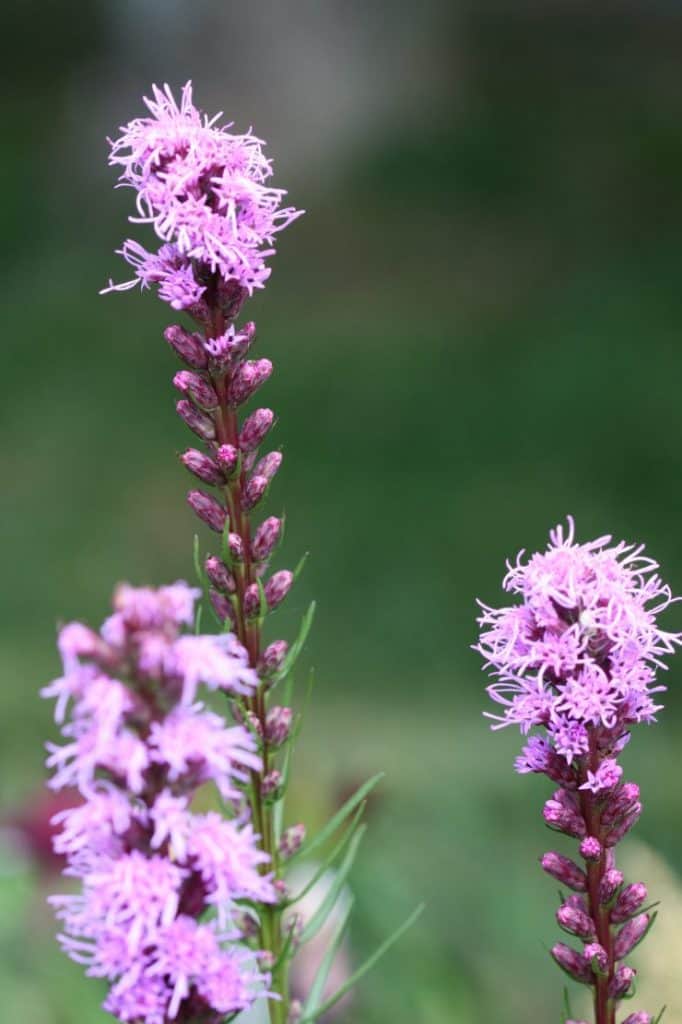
(338,819)
(660,1016)
(325,908)
(329,860)
(198,567)
(367,966)
(320,980)
(297,646)
(299,568)
(567,1012)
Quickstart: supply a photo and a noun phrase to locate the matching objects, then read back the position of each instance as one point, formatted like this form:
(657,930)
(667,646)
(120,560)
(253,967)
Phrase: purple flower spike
(266,538)
(621,983)
(590,848)
(597,957)
(564,870)
(272,658)
(609,885)
(187,346)
(629,902)
(197,421)
(576,922)
(219,575)
(248,378)
(278,725)
(562,819)
(254,492)
(268,465)
(630,935)
(573,963)
(277,587)
(254,429)
(227,458)
(208,509)
(202,467)
(196,388)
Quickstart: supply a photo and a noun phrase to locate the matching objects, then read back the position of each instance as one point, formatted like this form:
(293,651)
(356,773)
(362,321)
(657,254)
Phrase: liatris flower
(577,659)
(138,744)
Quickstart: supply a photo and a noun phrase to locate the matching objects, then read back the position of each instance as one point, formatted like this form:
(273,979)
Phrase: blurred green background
(476,330)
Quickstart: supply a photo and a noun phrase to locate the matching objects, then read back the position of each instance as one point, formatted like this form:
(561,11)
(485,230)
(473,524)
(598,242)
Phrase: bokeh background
(476,330)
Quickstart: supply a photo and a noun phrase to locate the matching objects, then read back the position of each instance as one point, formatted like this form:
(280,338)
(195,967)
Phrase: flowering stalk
(577,658)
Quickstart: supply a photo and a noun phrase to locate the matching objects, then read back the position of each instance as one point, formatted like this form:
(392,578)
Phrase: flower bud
(575,921)
(621,982)
(253,492)
(247,379)
(187,346)
(620,803)
(221,606)
(277,587)
(201,466)
(272,658)
(208,509)
(197,421)
(639,1018)
(572,962)
(596,956)
(590,848)
(236,547)
(630,935)
(609,885)
(266,538)
(564,870)
(295,1011)
(268,465)
(197,388)
(251,602)
(227,458)
(563,820)
(628,903)
(623,827)
(254,429)
(247,925)
(219,575)
(278,725)
(291,841)
(271,784)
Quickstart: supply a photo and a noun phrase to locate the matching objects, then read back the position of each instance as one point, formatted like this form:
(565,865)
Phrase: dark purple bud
(254,429)
(620,803)
(268,465)
(231,296)
(247,925)
(621,982)
(623,827)
(609,885)
(252,601)
(219,575)
(253,492)
(201,466)
(629,902)
(197,388)
(630,934)
(597,957)
(572,962)
(236,547)
(590,848)
(564,870)
(574,899)
(227,458)
(221,606)
(291,841)
(576,922)
(187,346)
(247,379)
(272,658)
(278,725)
(266,538)
(197,421)
(639,1018)
(270,784)
(563,820)
(277,587)
(208,509)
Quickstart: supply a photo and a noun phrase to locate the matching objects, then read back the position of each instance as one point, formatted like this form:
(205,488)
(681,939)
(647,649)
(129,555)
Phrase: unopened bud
(187,346)
(278,725)
(247,379)
(266,960)
(609,885)
(597,957)
(639,1018)
(254,429)
(197,388)
(281,888)
(620,803)
(623,827)
(202,466)
(564,870)
(251,601)
(629,901)
(563,820)
(247,925)
(208,509)
(630,935)
(197,421)
(572,962)
(277,587)
(295,1011)
(221,606)
(270,784)
(219,575)
(268,465)
(266,538)
(621,982)
(590,848)
(272,658)
(255,488)
(227,458)
(575,921)
(236,547)
(291,841)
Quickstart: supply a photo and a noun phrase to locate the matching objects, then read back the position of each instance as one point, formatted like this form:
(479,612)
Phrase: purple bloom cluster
(204,190)
(157,913)
(577,659)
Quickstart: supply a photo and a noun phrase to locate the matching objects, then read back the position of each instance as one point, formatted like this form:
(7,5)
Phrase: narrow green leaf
(329,860)
(198,567)
(325,908)
(367,966)
(299,568)
(320,980)
(298,644)
(338,819)
(567,1013)
(660,1016)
